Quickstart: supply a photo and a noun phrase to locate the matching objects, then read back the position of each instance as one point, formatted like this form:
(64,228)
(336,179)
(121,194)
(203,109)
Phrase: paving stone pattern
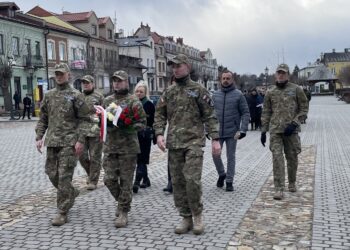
(153,215)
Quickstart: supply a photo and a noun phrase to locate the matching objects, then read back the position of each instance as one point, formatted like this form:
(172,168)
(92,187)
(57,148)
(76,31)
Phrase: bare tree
(12,52)
(344,76)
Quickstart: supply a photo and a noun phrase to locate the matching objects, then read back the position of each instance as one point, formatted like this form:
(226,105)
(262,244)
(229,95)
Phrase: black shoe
(135,188)
(169,188)
(145,183)
(229,186)
(221,180)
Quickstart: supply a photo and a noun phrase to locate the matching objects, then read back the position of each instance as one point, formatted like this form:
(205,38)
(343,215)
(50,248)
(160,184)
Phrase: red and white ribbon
(103,114)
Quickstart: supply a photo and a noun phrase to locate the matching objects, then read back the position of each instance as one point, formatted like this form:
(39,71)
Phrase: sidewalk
(317,216)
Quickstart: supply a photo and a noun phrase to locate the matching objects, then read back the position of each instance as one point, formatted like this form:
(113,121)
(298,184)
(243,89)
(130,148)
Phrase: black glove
(242,135)
(110,124)
(263,138)
(288,131)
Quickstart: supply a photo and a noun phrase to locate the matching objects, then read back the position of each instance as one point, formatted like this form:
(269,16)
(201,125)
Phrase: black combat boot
(229,186)
(221,180)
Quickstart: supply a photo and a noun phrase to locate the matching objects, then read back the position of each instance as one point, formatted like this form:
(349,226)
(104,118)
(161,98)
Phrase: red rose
(126,111)
(122,116)
(127,121)
(135,109)
(136,116)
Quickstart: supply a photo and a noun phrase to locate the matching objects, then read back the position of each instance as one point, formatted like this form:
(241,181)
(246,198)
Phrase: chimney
(346,50)
(333,50)
(179,40)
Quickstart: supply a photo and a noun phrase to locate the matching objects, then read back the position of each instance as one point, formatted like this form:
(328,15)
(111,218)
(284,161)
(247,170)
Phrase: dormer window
(94,30)
(109,34)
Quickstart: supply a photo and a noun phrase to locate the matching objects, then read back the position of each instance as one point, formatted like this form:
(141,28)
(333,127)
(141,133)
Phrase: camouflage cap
(62,67)
(87,78)
(180,58)
(121,74)
(283,67)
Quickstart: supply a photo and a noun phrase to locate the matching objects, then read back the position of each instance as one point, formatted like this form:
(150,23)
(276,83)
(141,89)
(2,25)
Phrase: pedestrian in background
(232,111)
(27,102)
(186,106)
(284,105)
(91,157)
(145,137)
(122,145)
(255,102)
(63,113)
(17,100)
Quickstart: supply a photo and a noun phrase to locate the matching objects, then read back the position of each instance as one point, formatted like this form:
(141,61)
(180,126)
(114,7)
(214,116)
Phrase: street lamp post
(266,75)
(31,73)
(10,64)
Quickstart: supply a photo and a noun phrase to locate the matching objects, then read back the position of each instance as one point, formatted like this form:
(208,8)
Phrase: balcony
(33,61)
(151,70)
(77,64)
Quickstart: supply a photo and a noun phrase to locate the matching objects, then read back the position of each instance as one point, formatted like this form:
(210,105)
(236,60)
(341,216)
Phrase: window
(159,67)
(115,56)
(100,82)
(51,50)
(1,44)
(106,55)
(161,51)
(161,83)
(151,45)
(81,54)
(37,48)
(62,51)
(94,29)
(163,67)
(152,63)
(110,34)
(147,62)
(15,46)
(27,46)
(92,53)
(99,54)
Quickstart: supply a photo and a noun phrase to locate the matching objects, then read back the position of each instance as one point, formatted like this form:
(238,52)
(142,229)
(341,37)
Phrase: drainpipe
(46,32)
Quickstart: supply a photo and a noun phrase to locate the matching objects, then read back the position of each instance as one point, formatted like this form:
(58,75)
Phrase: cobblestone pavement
(27,200)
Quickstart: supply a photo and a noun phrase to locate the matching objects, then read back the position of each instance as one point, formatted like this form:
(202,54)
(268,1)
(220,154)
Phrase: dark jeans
(26,109)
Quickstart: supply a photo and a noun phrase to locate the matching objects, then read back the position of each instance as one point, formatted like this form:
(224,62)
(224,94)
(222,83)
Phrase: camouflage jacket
(63,115)
(283,106)
(187,108)
(91,99)
(119,140)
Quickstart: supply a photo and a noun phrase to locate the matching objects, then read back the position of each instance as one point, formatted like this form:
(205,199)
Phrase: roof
(158,39)
(321,73)
(103,20)
(40,12)
(336,57)
(55,22)
(76,17)
(131,41)
(12,5)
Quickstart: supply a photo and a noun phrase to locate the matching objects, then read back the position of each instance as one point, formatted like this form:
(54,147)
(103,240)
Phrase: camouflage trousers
(60,164)
(119,172)
(291,147)
(186,173)
(91,158)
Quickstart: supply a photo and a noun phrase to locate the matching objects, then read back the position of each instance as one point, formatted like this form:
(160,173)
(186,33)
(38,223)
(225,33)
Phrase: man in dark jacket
(17,99)
(27,102)
(232,111)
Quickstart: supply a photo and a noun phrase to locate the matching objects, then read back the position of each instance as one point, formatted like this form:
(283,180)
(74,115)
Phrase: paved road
(153,215)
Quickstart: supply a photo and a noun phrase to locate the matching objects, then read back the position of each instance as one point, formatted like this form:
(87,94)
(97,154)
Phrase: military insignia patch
(192,93)
(208,100)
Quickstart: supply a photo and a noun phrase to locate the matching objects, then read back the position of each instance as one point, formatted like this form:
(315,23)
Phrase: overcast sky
(244,35)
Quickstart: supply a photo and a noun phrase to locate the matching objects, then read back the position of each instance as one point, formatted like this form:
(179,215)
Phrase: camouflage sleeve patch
(207,99)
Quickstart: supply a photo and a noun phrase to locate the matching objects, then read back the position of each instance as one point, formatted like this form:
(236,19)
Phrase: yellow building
(336,61)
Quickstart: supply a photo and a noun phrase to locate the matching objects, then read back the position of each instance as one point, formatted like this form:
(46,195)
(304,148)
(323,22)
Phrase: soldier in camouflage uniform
(187,107)
(91,156)
(284,106)
(121,148)
(63,115)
